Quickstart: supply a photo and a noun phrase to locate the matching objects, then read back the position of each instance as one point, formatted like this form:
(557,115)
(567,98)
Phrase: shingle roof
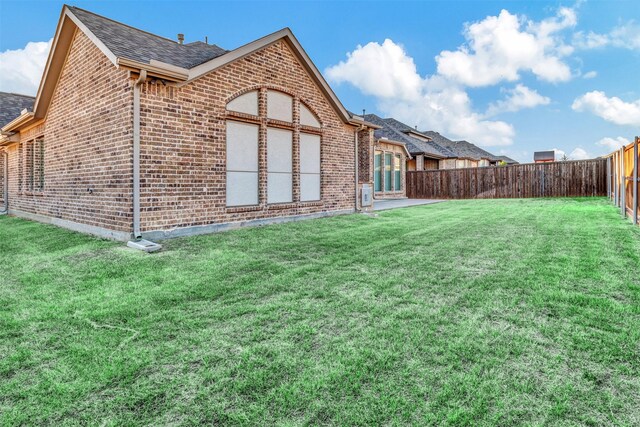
(11,104)
(476,151)
(461,148)
(397,131)
(507,160)
(131,43)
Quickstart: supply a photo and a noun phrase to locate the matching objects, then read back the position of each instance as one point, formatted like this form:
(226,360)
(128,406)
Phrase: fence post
(614,178)
(635,180)
(623,187)
(609,178)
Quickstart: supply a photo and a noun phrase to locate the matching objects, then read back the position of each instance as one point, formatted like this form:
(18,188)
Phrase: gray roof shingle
(131,43)
(11,104)
(397,131)
(475,151)
(461,148)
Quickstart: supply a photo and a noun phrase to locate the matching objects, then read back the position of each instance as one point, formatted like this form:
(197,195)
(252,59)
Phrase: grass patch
(461,313)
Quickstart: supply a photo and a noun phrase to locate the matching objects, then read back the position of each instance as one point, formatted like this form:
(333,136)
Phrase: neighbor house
(467,155)
(11,106)
(506,160)
(395,148)
(136,135)
(544,156)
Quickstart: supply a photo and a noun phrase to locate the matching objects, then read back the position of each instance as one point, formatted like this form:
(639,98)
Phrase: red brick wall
(88,142)
(183,172)
(87,145)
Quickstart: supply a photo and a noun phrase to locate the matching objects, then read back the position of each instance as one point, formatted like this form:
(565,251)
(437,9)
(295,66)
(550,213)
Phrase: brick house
(135,135)
(426,150)
(11,106)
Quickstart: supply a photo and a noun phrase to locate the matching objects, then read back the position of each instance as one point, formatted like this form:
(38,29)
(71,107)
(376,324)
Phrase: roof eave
(18,122)
(155,69)
(361,122)
(394,142)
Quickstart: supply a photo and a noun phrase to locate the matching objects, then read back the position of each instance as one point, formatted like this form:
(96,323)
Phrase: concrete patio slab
(380,205)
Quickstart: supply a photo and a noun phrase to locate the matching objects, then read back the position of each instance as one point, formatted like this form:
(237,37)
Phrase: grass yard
(489,312)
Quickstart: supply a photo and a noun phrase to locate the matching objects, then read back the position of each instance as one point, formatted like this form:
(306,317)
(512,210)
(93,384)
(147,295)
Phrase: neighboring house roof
(476,151)
(395,130)
(128,42)
(462,149)
(12,104)
(135,50)
(544,156)
(507,160)
(458,150)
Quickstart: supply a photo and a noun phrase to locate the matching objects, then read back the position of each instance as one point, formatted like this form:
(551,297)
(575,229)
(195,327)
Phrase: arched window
(279,106)
(307,118)
(247,148)
(246,103)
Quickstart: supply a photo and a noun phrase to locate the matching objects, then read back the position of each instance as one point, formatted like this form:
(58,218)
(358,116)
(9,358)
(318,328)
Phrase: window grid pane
(242,164)
(309,167)
(279,166)
(397,176)
(387,172)
(377,176)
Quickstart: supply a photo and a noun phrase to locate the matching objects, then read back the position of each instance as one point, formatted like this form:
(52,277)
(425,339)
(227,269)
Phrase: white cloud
(430,102)
(395,73)
(613,144)
(499,47)
(589,40)
(575,154)
(625,36)
(612,109)
(590,75)
(517,99)
(559,153)
(21,69)
(579,154)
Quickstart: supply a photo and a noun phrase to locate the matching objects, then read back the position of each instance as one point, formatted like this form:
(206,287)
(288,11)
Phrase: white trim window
(279,106)
(242,164)
(279,165)
(309,167)
(246,103)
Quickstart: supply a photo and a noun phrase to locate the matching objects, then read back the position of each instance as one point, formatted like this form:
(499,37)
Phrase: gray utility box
(367,199)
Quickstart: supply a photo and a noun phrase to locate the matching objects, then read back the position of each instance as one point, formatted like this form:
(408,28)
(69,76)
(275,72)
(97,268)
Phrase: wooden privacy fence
(557,179)
(622,179)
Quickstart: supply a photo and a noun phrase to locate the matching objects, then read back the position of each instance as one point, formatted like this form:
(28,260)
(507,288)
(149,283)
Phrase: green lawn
(495,312)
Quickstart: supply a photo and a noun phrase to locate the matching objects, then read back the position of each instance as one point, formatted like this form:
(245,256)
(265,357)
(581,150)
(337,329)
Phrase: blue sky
(539,75)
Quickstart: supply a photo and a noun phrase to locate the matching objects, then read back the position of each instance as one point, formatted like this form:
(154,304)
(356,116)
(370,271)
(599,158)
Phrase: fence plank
(557,179)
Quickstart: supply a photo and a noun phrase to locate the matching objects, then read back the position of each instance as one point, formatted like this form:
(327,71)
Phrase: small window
(309,167)
(377,175)
(279,166)
(29,171)
(246,103)
(38,165)
(242,164)
(307,118)
(387,171)
(397,178)
(279,106)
